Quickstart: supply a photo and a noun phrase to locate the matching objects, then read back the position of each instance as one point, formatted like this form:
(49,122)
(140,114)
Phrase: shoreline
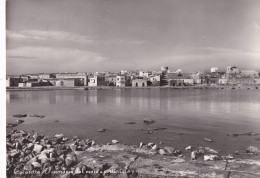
(223,87)
(34,155)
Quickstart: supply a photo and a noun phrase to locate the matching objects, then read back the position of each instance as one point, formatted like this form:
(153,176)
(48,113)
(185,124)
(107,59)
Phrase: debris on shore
(149,121)
(30,154)
(36,115)
(20,115)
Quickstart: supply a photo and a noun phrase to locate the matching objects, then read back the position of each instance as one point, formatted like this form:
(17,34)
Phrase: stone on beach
(115,141)
(20,115)
(149,121)
(19,121)
(210,157)
(102,130)
(37,148)
(253,149)
(162,152)
(155,147)
(210,150)
(36,165)
(208,140)
(36,115)
(193,155)
(188,148)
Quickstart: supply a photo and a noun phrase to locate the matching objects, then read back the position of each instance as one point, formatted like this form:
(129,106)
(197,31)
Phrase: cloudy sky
(110,35)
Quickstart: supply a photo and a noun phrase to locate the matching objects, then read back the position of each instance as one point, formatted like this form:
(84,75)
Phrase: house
(139,82)
(82,76)
(43,76)
(121,81)
(245,80)
(214,69)
(233,70)
(111,80)
(154,80)
(176,79)
(35,84)
(96,80)
(249,73)
(13,81)
(222,81)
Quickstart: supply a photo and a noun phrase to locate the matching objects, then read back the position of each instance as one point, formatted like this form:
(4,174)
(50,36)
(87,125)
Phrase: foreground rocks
(35,155)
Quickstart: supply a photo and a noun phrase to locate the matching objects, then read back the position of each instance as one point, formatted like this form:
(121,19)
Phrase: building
(222,81)
(43,76)
(110,80)
(139,82)
(249,73)
(214,69)
(35,84)
(13,81)
(244,80)
(121,81)
(233,70)
(96,80)
(154,80)
(77,75)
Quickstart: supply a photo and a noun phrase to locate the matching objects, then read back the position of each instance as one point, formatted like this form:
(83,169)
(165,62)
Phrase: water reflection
(147,101)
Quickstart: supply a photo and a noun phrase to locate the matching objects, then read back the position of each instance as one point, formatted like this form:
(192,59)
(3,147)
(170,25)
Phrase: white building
(222,81)
(214,69)
(120,81)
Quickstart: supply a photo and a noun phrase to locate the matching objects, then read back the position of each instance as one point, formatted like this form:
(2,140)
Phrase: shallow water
(188,114)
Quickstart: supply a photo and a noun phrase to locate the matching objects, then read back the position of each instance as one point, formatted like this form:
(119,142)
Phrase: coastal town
(137,78)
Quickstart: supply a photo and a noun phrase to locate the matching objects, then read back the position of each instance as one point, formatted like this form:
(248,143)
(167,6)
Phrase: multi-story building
(82,76)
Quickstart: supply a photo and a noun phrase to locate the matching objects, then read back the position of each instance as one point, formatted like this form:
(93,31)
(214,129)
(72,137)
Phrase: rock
(56,121)
(237,152)
(77,170)
(93,143)
(29,146)
(27,167)
(208,140)
(11,125)
(188,148)
(130,122)
(149,121)
(210,157)
(18,146)
(59,136)
(228,157)
(170,150)
(71,160)
(19,121)
(177,152)
(193,155)
(162,152)
(36,165)
(102,130)
(150,144)
(141,145)
(155,147)
(161,143)
(252,149)
(37,148)
(14,153)
(115,141)
(35,115)
(73,147)
(20,115)
(209,150)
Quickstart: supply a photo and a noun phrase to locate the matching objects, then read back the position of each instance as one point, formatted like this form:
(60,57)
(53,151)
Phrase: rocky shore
(30,154)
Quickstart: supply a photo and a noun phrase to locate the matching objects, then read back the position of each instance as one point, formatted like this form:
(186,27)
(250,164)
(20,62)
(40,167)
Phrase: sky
(110,35)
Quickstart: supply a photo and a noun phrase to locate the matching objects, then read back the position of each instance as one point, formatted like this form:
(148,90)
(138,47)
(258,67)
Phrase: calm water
(189,115)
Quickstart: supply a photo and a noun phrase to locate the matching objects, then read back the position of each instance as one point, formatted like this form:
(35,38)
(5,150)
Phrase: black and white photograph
(131,88)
